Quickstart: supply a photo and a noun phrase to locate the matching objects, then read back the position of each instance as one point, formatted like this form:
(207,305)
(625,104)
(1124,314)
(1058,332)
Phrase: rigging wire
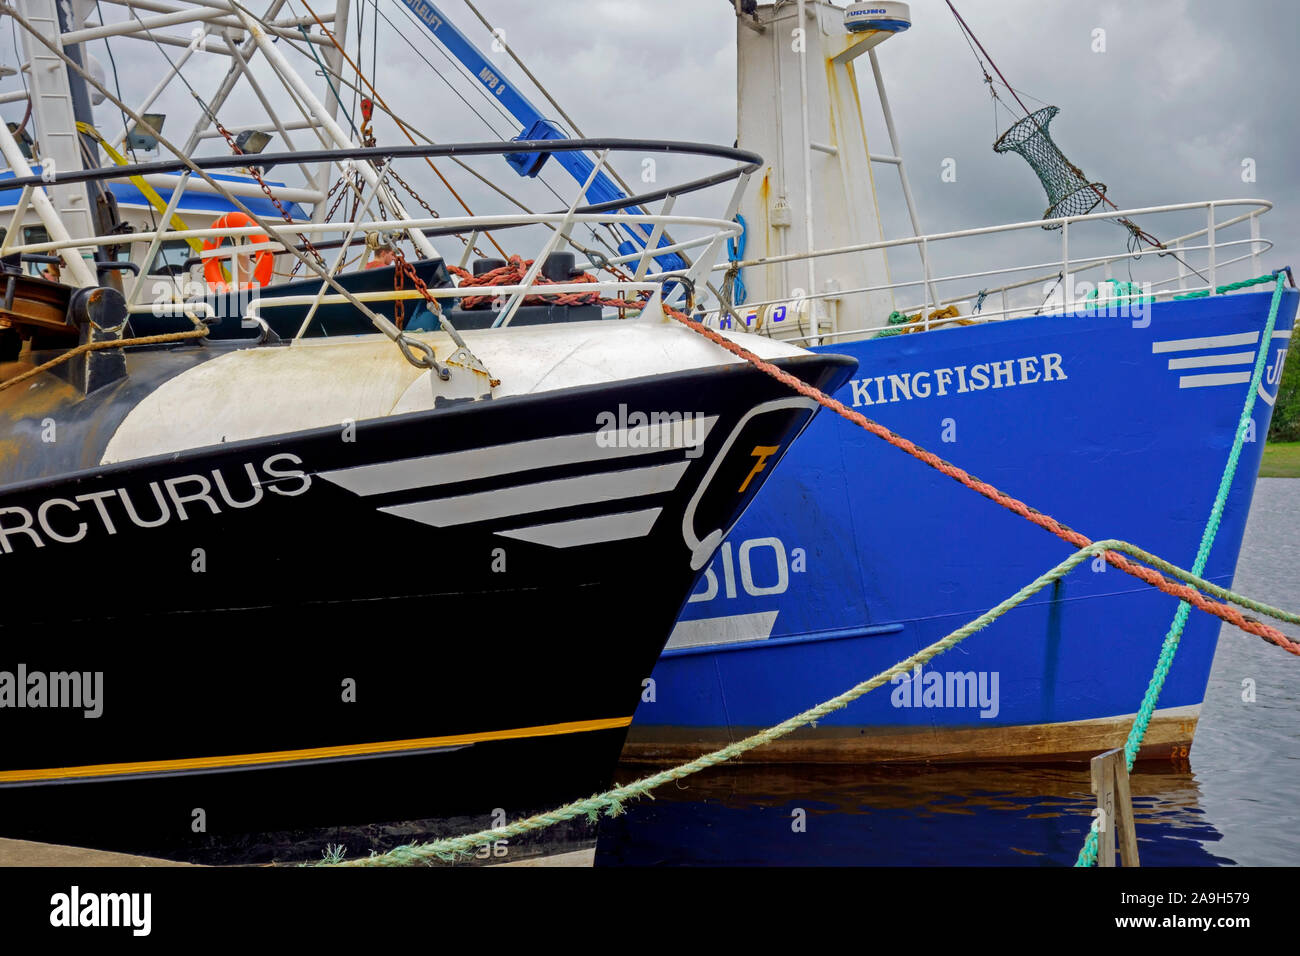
(1137,234)
(361,26)
(437,72)
(464,73)
(500,35)
(425,137)
(374,46)
(613,172)
(459,67)
(176,71)
(575,130)
(356,90)
(126,126)
(18,59)
(311,47)
(117,86)
(379,100)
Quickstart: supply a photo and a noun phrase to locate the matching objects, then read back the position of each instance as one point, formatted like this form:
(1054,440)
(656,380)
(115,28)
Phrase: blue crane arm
(535,126)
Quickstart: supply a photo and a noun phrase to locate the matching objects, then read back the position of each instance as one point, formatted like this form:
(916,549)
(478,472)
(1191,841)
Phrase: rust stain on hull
(1169,737)
(27,405)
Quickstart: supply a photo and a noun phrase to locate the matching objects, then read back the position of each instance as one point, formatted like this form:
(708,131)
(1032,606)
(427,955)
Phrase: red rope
(512,273)
(1224,611)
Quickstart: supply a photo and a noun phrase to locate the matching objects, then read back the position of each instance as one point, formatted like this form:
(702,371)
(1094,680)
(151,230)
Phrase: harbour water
(1229,803)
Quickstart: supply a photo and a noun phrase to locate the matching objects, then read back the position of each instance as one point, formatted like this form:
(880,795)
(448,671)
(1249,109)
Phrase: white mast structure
(64,210)
(219,28)
(798,107)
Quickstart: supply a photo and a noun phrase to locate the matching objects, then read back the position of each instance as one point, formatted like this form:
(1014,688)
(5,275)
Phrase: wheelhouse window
(170,258)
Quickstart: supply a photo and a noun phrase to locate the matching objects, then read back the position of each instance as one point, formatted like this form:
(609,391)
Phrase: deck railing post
(1066,278)
(561,233)
(1210,237)
(469,249)
(928,289)
(643,264)
(1254,243)
(155,243)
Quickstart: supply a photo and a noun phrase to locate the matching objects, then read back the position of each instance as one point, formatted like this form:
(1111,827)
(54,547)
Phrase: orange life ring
(263,262)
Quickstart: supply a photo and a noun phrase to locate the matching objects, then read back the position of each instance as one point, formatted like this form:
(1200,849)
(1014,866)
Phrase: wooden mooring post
(1115,809)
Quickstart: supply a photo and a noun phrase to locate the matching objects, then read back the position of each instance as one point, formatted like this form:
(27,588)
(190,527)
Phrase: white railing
(1064,269)
(363,172)
(178,294)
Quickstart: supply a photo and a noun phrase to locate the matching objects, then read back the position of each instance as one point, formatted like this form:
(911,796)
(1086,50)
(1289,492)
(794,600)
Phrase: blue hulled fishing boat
(1109,405)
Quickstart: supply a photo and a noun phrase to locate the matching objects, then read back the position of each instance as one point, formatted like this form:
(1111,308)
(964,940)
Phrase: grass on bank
(1281,460)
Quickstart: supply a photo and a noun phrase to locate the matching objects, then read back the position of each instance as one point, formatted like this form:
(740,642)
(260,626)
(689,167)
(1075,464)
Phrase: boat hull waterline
(856,555)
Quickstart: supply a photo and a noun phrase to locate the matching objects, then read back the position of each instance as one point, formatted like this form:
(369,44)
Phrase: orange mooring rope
(513,273)
(1154,578)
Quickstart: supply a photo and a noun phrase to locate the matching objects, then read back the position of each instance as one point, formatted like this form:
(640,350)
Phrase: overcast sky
(1181,96)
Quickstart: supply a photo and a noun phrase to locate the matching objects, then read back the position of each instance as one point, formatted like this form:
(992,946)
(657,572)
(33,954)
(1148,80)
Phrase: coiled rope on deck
(513,273)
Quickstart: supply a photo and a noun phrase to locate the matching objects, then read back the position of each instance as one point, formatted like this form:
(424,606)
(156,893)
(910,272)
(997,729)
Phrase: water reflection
(290,847)
(828,816)
(1247,750)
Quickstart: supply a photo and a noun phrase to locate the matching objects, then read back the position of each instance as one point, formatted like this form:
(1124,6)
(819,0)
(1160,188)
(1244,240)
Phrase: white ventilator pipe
(805,155)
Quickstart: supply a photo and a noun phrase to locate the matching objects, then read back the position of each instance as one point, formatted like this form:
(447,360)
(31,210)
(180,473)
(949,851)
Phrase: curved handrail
(1263,204)
(1065,267)
(747,161)
(627,210)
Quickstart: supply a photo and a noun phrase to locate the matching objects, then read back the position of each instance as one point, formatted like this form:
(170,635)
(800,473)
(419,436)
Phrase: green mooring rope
(895,318)
(1088,854)
(1230,287)
(611,802)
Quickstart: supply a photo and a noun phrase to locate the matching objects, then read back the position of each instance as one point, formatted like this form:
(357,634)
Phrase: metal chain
(253,171)
(413,194)
(433,213)
(404,267)
(329,216)
(297,263)
(399,305)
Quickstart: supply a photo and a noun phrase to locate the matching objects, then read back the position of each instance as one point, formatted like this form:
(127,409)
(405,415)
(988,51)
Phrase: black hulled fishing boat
(263,581)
